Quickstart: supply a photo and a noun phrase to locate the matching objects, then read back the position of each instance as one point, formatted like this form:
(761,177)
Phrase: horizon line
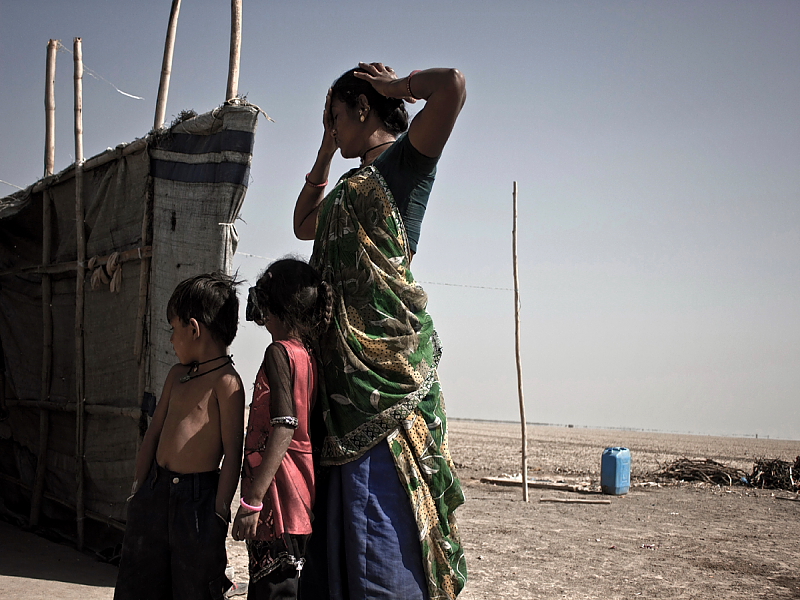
(619,428)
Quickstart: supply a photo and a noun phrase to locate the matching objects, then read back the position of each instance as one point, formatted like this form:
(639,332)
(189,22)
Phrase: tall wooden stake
(519,359)
(50,109)
(47,290)
(236,48)
(80,239)
(166,65)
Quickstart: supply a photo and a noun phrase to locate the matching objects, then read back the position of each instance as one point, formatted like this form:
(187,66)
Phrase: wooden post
(519,360)
(236,50)
(80,240)
(166,65)
(3,405)
(144,283)
(3,409)
(50,109)
(47,290)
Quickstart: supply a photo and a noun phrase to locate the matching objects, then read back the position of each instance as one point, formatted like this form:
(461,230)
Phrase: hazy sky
(656,145)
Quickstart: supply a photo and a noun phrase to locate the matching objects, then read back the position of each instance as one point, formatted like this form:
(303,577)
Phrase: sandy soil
(677,541)
(685,540)
(671,541)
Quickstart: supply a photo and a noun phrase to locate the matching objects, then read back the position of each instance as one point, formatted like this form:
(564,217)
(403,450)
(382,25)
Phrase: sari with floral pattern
(380,359)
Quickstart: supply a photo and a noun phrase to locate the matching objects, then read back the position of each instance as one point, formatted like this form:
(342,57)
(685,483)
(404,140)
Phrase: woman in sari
(392,490)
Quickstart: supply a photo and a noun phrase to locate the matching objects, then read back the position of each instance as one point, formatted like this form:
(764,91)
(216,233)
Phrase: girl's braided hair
(293,291)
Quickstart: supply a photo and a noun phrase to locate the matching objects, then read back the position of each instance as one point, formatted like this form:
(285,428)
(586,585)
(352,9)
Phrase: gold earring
(363,118)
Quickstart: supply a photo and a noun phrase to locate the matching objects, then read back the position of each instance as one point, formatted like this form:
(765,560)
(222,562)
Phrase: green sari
(379,360)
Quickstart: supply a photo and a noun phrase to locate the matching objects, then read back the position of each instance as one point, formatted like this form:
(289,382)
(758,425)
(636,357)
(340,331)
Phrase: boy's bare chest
(193,405)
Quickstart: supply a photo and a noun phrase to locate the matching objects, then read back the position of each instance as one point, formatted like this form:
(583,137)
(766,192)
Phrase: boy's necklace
(193,366)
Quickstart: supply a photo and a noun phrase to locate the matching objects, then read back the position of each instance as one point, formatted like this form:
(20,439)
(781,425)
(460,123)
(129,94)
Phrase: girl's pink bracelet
(248,507)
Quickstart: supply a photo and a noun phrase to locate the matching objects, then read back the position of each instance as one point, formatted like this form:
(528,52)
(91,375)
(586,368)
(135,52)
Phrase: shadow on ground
(28,556)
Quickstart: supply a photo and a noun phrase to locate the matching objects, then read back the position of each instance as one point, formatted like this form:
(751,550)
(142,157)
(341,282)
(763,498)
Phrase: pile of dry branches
(687,469)
(776,474)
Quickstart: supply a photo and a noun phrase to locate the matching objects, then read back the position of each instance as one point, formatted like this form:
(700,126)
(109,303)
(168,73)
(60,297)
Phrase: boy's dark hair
(211,299)
(295,293)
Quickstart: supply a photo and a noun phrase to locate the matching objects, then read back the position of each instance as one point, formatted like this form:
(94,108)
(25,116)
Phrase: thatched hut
(157,210)
(88,260)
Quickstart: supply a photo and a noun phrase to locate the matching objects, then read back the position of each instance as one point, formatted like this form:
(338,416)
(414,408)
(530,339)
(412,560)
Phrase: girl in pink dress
(277,495)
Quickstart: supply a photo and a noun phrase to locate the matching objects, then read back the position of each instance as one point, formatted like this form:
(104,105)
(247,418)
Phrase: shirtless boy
(178,515)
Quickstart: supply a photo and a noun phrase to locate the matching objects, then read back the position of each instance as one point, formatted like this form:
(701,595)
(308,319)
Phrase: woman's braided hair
(294,292)
(392,111)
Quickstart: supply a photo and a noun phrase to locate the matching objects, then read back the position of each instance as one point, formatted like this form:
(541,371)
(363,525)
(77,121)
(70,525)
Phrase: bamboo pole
(236,50)
(3,404)
(47,361)
(47,290)
(522,418)
(66,267)
(118,152)
(100,159)
(91,409)
(166,65)
(576,500)
(144,283)
(144,272)
(50,109)
(80,240)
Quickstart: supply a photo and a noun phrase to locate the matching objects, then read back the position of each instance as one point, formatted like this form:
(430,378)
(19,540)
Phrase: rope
(99,276)
(114,269)
(110,273)
(254,256)
(97,75)
(477,287)
(11,184)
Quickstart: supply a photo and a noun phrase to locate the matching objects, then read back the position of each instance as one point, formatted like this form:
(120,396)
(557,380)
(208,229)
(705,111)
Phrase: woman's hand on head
(384,80)
(328,139)
(312,192)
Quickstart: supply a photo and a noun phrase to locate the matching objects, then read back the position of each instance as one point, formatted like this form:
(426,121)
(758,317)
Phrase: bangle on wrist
(408,85)
(315,185)
(249,507)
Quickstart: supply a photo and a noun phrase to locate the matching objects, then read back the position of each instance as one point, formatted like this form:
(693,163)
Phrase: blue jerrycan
(615,471)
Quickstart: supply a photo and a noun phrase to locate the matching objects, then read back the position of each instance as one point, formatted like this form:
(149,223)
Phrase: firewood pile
(774,474)
(710,471)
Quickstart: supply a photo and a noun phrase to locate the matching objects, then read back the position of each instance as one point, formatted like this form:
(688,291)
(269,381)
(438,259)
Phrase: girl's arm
(308,202)
(147,451)
(279,374)
(444,92)
(246,523)
(230,398)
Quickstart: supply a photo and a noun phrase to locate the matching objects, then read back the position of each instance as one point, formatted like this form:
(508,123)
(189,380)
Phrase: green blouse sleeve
(409,175)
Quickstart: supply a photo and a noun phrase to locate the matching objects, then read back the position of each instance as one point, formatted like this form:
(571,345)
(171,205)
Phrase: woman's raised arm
(444,92)
(307,205)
